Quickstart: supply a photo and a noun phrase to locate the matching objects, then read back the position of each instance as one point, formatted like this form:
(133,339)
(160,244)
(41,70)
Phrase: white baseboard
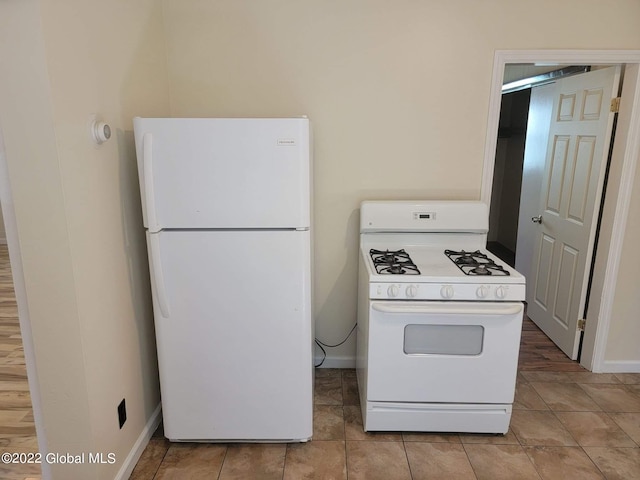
(337,362)
(134,455)
(621,366)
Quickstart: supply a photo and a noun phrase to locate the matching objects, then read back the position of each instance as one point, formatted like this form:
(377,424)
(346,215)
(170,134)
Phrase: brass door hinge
(615,105)
(581,323)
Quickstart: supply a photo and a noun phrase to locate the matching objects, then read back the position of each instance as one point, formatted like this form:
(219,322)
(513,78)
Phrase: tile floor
(567,424)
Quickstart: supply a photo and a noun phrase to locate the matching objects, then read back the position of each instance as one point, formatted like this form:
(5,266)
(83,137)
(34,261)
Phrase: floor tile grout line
(593,462)
(159,463)
(531,461)
(346,457)
(473,469)
(346,460)
(621,428)
(286,454)
(594,446)
(406,455)
(612,384)
(627,387)
(226,450)
(344,429)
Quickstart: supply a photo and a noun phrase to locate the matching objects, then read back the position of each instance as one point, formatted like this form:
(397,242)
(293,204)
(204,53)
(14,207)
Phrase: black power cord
(321,345)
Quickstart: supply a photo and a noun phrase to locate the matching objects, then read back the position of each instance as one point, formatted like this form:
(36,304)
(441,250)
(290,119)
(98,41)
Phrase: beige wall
(78,211)
(397,92)
(401,85)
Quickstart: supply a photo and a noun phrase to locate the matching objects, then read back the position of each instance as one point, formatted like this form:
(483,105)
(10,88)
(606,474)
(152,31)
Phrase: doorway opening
(625,156)
(507,175)
(566,187)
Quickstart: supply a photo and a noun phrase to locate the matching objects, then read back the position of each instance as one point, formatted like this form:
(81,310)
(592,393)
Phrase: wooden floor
(17,433)
(538,352)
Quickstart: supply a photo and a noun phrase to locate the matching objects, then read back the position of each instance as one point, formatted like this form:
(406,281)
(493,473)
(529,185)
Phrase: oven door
(449,352)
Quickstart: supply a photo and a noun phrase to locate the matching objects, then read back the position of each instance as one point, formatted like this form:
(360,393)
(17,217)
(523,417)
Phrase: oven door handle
(457,309)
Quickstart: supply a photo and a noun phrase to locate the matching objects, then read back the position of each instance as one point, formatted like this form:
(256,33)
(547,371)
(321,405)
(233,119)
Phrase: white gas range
(439,320)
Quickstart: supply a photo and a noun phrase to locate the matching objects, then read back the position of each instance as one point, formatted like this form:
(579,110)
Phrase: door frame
(598,323)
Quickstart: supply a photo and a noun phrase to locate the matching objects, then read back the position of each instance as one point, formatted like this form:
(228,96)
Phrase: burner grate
(475,263)
(396,262)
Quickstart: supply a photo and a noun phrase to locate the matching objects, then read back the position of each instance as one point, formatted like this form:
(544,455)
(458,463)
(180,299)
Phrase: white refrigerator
(226,206)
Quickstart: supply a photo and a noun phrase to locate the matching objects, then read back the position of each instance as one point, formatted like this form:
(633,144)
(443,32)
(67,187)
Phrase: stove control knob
(501,292)
(446,291)
(393,291)
(411,291)
(482,291)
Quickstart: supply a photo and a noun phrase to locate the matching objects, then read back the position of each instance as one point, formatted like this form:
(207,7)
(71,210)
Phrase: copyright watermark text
(57,458)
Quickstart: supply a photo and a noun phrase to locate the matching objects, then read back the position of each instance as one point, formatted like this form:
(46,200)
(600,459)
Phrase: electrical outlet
(122,413)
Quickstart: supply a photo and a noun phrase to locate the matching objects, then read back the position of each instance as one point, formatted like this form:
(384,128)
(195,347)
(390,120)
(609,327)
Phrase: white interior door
(576,159)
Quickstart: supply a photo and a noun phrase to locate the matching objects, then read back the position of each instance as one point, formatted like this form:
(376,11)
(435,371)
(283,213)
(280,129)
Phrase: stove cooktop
(419,272)
(409,263)
(471,263)
(402,254)
(475,263)
(393,262)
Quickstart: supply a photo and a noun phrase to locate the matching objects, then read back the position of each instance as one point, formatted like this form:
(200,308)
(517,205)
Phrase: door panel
(556,178)
(592,107)
(545,263)
(574,172)
(566,278)
(567,107)
(580,181)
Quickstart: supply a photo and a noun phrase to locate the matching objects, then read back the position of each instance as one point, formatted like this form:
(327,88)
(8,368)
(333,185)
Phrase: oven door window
(443,339)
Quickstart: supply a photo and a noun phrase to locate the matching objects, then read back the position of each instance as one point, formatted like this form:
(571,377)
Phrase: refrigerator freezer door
(224,173)
(234,334)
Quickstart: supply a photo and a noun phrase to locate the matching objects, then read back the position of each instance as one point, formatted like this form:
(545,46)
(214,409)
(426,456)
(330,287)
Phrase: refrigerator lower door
(234,332)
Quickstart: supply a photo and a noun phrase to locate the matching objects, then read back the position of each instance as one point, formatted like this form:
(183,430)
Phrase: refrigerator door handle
(157,276)
(149,197)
